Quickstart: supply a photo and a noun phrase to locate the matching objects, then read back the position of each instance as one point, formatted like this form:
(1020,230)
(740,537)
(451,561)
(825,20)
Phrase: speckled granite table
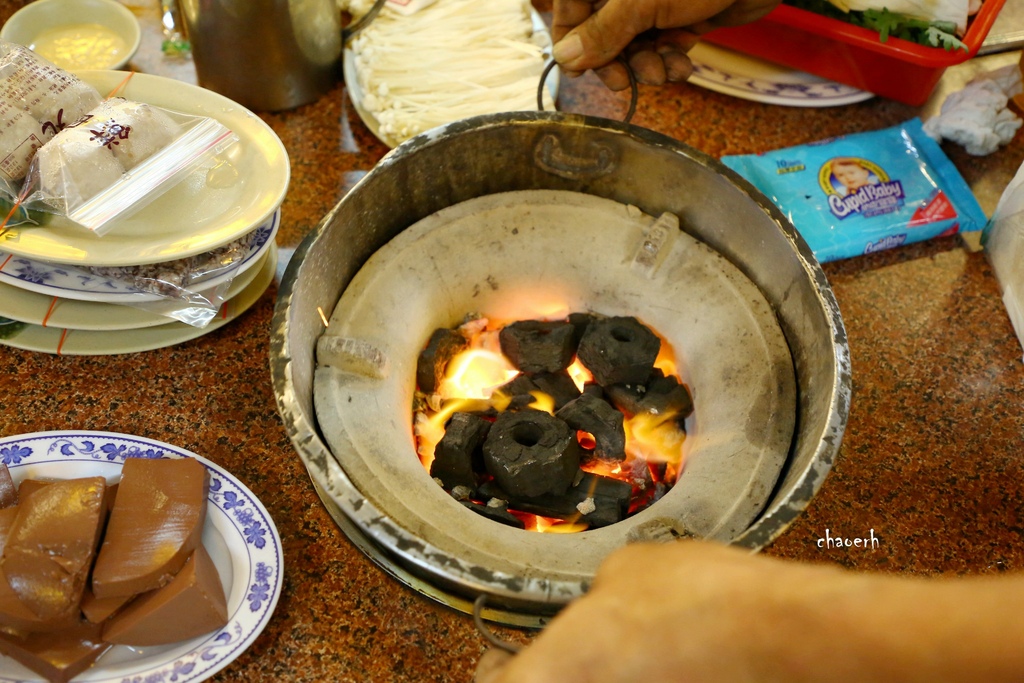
(932,460)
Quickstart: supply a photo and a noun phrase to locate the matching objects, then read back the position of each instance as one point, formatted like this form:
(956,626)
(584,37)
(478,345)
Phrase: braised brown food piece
(51,545)
(191,605)
(155,525)
(57,656)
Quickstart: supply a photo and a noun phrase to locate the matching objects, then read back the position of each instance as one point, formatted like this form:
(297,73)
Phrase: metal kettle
(267,55)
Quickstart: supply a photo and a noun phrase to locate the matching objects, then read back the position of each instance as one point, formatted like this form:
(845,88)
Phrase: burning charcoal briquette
(530,453)
(579,322)
(539,346)
(519,391)
(601,420)
(454,453)
(619,350)
(596,500)
(442,346)
(660,395)
(558,385)
(495,513)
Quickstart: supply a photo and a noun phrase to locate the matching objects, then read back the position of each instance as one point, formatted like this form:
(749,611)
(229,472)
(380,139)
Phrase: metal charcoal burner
(426,255)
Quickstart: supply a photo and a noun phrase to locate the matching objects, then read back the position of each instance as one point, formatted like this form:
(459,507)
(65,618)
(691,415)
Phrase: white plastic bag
(1004,246)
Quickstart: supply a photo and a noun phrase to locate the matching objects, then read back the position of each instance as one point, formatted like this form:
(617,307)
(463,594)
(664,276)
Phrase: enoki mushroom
(451,60)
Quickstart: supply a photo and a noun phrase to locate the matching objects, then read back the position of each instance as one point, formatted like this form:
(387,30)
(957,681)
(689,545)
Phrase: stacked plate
(62,288)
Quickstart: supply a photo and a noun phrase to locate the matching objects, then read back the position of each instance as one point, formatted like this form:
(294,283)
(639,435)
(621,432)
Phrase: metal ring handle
(478,607)
(362,22)
(634,90)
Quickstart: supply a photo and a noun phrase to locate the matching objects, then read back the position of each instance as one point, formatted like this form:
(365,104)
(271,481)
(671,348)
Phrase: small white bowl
(40,22)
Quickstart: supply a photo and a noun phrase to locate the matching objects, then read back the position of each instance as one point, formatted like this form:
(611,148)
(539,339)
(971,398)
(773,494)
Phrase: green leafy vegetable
(929,33)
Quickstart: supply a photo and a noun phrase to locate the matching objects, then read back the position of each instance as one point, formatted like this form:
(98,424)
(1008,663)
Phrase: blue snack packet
(860,193)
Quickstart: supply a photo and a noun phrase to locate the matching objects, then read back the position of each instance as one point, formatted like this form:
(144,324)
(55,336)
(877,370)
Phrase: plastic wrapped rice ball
(51,95)
(19,140)
(75,166)
(149,129)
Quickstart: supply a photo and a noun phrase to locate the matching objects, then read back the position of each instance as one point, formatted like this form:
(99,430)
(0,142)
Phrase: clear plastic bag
(37,100)
(190,290)
(118,158)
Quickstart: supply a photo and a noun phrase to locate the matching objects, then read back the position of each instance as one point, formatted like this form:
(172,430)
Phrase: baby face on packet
(849,174)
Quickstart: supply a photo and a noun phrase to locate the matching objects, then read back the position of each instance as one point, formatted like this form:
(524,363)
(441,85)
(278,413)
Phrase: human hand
(701,612)
(653,35)
(688,611)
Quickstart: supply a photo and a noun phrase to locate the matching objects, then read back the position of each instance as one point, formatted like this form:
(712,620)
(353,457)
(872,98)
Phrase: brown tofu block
(98,610)
(7,516)
(8,491)
(29,486)
(155,525)
(192,604)
(51,545)
(14,614)
(56,656)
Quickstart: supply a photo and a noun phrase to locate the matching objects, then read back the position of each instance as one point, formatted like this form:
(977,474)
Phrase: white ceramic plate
(66,282)
(355,93)
(103,342)
(218,203)
(239,535)
(732,73)
(31,307)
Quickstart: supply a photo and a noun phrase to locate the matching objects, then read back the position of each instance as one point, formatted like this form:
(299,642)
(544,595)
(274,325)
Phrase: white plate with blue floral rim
(66,342)
(68,282)
(732,73)
(219,202)
(239,535)
(39,309)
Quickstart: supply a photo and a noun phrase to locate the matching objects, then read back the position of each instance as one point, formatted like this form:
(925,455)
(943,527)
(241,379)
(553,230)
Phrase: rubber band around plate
(634,91)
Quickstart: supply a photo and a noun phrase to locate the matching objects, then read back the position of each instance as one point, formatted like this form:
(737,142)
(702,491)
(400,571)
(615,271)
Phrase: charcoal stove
(632,223)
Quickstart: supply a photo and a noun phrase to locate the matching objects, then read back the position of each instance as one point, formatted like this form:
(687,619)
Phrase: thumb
(605,33)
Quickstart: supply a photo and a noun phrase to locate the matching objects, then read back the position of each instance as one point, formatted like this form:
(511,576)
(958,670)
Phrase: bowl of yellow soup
(76,34)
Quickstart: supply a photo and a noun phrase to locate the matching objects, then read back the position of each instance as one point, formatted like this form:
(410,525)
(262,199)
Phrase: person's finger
(614,76)
(648,67)
(678,66)
(603,35)
(567,15)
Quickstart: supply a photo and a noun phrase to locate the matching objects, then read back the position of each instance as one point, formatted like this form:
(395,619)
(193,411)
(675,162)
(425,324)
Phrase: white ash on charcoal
(619,350)
(660,395)
(594,499)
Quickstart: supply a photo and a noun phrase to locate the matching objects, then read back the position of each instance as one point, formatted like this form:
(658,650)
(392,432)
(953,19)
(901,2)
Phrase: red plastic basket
(897,69)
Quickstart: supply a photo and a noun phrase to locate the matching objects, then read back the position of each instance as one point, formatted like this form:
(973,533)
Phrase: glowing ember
(476,373)
(477,382)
